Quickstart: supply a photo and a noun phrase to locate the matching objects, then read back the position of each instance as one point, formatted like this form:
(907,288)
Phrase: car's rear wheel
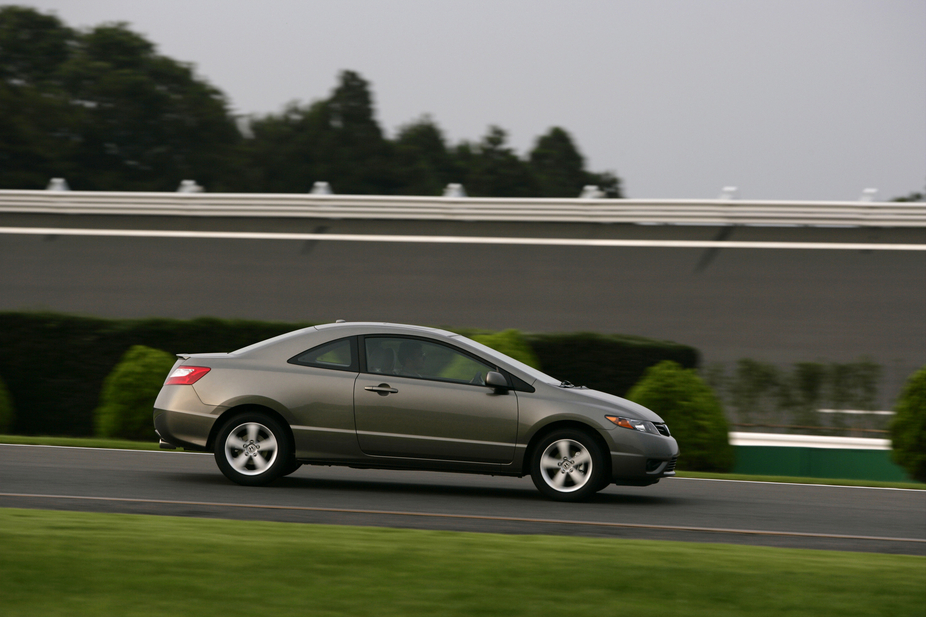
(293,466)
(568,465)
(252,449)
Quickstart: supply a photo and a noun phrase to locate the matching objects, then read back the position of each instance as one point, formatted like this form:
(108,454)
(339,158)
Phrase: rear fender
(257,401)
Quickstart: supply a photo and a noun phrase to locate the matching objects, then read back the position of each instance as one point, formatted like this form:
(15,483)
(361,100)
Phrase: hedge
(692,412)
(129,393)
(511,343)
(908,430)
(7,414)
(54,365)
(610,363)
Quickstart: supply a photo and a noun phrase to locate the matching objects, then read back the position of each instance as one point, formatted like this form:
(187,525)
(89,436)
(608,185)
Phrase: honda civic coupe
(387,396)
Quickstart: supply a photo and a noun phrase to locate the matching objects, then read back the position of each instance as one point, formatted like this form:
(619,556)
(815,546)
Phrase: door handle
(382,389)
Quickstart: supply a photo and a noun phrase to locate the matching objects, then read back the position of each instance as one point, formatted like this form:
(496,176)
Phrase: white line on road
(590,242)
(477,517)
(675,479)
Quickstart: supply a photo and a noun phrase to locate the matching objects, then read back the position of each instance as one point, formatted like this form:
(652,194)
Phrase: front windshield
(497,355)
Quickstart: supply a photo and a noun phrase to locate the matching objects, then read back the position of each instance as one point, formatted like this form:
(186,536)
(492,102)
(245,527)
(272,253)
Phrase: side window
(410,357)
(340,355)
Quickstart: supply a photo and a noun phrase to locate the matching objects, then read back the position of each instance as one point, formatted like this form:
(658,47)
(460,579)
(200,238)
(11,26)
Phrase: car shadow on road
(525,492)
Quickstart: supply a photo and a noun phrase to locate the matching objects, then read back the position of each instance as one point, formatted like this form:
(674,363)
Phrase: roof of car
(381,325)
(292,342)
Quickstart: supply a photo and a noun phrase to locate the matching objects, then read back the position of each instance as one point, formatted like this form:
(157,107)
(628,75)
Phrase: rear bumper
(182,430)
(182,420)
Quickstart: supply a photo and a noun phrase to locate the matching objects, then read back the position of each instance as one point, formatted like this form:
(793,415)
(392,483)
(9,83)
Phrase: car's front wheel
(252,449)
(568,465)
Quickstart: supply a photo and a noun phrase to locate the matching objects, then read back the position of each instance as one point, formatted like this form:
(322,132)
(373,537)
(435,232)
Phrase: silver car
(389,396)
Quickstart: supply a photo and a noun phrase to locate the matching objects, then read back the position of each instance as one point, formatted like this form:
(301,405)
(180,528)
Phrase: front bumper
(644,460)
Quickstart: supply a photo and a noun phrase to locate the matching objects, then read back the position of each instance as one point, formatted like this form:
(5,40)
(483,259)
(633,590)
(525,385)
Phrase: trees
(356,148)
(336,140)
(424,164)
(145,121)
(33,46)
(103,109)
(286,152)
(36,137)
(492,169)
(915,196)
(557,164)
(560,168)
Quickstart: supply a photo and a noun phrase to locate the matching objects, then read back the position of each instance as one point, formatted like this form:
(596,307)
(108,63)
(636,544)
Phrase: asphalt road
(780,306)
(186,484)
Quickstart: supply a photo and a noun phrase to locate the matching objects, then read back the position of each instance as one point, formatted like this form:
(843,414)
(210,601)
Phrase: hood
(618,404)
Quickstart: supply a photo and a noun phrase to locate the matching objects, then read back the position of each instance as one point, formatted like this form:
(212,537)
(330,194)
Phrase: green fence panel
(818,463)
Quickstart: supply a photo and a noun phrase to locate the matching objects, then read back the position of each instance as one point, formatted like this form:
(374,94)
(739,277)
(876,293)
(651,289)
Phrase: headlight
(638,425)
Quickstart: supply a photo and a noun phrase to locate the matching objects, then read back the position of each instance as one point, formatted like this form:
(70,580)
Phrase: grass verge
(797,480)
(79,442)
(91,442)
(76,563)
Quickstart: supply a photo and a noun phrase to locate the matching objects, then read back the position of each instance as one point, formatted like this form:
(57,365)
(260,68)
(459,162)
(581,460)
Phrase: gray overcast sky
(785,99)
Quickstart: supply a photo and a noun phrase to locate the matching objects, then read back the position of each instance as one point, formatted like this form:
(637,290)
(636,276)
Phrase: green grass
(800,480)
(93,442)
(74,563)
(80,442)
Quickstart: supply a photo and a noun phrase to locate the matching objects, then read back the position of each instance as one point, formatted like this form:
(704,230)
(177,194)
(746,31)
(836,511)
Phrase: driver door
(424,399)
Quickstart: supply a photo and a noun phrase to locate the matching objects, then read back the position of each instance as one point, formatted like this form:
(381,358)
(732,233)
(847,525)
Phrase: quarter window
(340,355)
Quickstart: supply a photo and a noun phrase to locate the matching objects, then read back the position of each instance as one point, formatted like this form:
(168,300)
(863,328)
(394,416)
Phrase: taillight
(186,375)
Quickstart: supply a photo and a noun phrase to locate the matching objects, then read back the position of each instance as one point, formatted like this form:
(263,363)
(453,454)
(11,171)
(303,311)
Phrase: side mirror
(498,381)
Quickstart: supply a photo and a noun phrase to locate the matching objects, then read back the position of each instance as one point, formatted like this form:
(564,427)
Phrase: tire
(253,449)
(293,466)
(568,465)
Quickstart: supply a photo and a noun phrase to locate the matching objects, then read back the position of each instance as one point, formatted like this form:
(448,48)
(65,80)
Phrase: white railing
(809,441)
(639,211)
